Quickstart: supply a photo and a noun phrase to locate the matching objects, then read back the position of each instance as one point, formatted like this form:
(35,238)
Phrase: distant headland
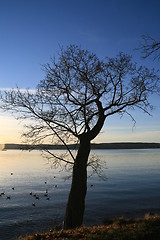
(118,145)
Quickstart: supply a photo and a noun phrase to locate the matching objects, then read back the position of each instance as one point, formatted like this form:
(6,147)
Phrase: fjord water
(131,189)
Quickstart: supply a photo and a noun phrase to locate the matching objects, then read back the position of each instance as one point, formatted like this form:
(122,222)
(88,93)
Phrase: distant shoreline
(120,145)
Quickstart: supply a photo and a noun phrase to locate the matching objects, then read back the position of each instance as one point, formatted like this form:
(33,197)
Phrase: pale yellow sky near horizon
(11,129)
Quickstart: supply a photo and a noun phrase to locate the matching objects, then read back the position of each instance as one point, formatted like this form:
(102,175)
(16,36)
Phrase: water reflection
(29,188)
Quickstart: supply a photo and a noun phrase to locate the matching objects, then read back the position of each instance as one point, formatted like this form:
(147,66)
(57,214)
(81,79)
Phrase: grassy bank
(147,228)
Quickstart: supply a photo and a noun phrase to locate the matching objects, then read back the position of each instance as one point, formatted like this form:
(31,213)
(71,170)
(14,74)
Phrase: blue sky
(32,30)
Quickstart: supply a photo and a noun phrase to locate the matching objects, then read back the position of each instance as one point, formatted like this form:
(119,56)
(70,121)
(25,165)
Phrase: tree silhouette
(150,46)
(71,104)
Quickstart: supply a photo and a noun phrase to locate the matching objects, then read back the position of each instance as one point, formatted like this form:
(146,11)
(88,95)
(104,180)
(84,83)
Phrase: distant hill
(120,145)
(125,145)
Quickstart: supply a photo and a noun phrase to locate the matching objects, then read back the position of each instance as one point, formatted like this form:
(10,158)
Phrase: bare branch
(149,47)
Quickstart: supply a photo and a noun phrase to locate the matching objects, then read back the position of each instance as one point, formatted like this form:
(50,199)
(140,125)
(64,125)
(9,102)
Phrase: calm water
(131,189)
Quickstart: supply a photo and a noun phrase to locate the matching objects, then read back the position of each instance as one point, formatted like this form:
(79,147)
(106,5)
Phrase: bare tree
(72,103)
(150,46)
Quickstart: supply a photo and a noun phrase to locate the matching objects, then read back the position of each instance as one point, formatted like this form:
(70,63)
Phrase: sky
(33,30)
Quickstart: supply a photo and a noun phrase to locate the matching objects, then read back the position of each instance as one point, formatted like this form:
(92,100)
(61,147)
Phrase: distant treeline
(122,145)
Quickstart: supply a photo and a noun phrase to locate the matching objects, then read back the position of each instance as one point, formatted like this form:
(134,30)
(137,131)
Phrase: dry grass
(147,228)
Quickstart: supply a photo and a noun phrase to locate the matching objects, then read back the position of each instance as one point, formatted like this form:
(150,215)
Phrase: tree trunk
(76,201)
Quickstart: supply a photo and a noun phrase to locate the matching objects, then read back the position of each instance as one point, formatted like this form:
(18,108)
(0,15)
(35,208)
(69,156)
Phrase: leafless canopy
(76,89)
(150,46)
